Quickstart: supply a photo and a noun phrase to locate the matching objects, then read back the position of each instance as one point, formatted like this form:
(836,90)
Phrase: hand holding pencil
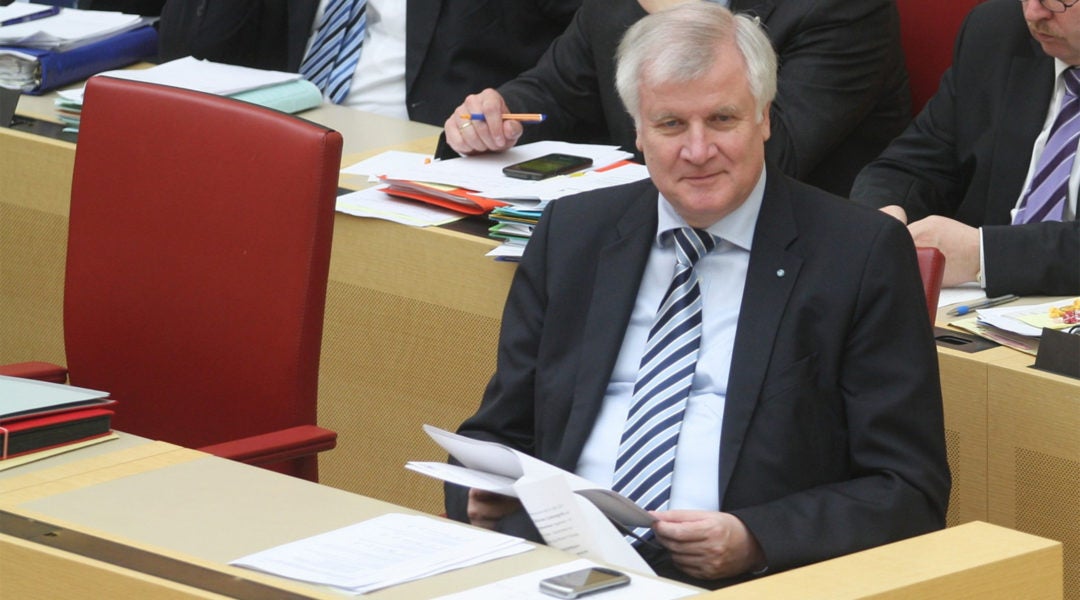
(483,123)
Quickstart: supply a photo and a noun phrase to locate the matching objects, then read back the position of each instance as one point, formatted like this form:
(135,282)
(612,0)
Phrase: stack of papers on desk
(35,71)
(68,29)
(1018,327)
(55,47)
(38,415)
(287,92)
(384,551)
(476,185)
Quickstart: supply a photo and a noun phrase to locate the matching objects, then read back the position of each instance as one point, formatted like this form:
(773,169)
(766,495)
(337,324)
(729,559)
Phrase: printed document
(572,513)
(384,551)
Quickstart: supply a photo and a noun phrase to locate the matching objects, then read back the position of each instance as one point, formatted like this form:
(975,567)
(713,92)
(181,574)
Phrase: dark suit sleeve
(836,63)
(1033,259)
(920,171)
(895,482)
(966,155)
(564,85)
(506,414)
(249,33)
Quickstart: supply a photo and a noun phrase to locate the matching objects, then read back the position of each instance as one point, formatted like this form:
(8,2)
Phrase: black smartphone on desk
(546,166)
(580,583)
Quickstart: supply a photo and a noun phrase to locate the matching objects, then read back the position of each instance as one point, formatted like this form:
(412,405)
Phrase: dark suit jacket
(453,47)
(967,153)
(832,436)
(842,93)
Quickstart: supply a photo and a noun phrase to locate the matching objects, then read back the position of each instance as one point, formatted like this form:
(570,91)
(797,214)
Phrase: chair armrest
(41,371)
(277,446)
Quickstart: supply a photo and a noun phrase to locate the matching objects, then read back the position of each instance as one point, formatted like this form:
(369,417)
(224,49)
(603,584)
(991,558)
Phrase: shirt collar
(737,228)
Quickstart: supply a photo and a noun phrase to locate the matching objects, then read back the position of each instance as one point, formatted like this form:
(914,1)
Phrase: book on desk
(37,415)
(36,71)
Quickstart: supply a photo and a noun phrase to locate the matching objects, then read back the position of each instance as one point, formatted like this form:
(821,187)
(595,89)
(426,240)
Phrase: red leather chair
(928,31)
(198,254)
(932,270)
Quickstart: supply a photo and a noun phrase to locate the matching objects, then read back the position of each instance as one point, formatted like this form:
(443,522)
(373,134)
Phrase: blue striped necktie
(646,458)
(331,60)
(1048,191)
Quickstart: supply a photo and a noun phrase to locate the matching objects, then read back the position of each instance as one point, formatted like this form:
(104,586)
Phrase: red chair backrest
(932,270)
(928,31)
(198,255)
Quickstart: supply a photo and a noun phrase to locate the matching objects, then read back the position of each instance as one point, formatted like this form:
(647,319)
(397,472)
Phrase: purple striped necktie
(1046,195)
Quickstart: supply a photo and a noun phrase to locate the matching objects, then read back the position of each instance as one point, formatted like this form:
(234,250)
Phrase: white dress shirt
(378,84)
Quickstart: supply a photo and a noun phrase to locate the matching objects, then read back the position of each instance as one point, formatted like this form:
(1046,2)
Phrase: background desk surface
(411,324)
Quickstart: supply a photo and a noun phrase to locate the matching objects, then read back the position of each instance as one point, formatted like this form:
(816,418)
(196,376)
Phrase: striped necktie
(1049,188)
(331,60)
(646,458)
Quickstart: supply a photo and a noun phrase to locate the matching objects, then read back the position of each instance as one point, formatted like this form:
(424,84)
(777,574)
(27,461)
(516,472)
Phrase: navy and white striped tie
(331,60)
(646,458)
(1049,188)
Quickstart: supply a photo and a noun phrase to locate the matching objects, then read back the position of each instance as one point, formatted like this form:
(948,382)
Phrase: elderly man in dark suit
(842,95)
(782,406)
(960,175)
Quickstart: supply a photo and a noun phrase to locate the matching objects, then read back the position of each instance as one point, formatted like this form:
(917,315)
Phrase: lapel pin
(780,273)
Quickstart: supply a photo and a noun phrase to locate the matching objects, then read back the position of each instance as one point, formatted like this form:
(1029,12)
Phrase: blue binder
(61,68)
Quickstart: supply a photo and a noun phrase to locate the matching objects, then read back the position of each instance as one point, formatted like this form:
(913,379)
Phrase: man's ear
(766,124)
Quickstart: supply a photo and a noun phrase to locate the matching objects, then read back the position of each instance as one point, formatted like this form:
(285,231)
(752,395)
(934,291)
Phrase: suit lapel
(301,23)
(772,274)
(1028,91)
(420,23)
(618,274)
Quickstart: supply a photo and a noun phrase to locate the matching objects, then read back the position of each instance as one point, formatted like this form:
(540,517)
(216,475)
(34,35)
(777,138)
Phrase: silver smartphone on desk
(580,583)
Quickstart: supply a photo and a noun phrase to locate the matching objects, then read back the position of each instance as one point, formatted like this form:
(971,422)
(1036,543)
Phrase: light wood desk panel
(205,511)
(199,509)
(1034,457)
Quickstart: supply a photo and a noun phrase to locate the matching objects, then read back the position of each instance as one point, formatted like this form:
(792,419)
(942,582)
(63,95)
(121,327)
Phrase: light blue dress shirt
(696,481)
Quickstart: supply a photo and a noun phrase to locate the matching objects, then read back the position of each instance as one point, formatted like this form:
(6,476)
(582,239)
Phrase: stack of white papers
(384,551)
(1026,320)
(68,29)
(482,175)
(287,92)
(199,75)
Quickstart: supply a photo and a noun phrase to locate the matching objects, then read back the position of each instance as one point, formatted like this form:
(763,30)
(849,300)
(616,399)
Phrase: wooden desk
(200,509)
(1013,437)
(1034,456)
(206,511)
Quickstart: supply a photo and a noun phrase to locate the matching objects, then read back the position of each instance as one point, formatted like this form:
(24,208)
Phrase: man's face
(1058,33)
(702,141)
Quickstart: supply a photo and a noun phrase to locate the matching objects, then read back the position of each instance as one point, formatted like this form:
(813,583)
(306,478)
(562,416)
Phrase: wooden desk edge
(974,560)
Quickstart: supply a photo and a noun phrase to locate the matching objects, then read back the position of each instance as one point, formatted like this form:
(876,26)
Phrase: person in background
(973,175)
(791,361)
(843,89)
(416,58)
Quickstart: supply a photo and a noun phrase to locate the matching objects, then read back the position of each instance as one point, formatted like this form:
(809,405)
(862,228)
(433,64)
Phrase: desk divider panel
(1035,458)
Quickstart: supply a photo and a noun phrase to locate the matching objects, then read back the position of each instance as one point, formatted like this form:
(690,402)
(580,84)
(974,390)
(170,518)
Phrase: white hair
(682,43)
